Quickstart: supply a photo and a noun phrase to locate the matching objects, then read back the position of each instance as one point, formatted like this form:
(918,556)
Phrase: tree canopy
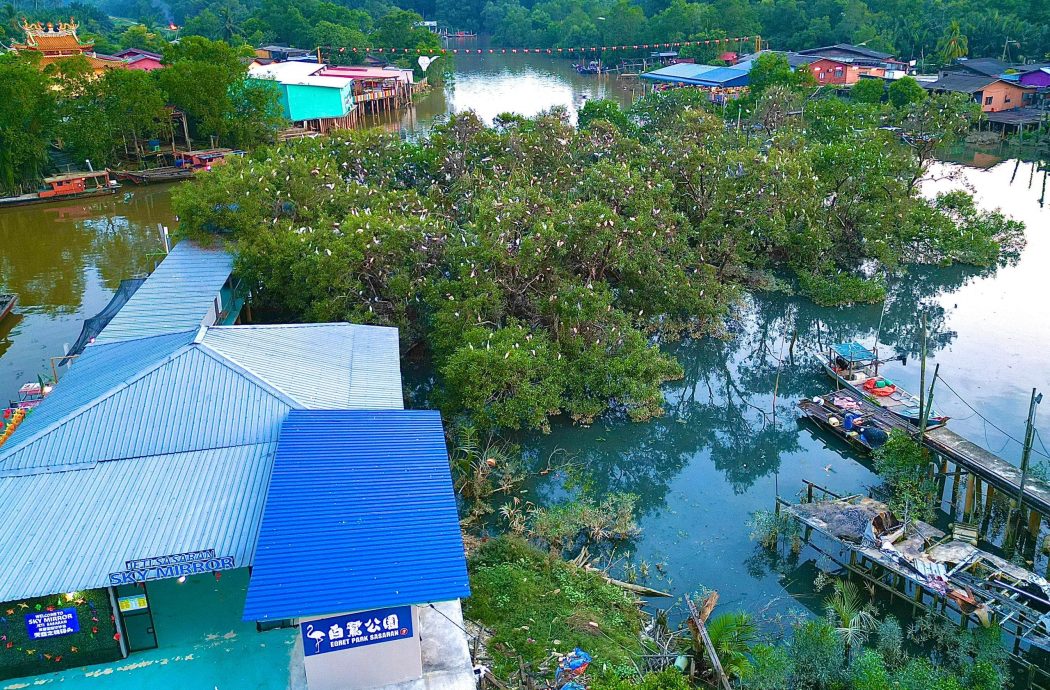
(542,264)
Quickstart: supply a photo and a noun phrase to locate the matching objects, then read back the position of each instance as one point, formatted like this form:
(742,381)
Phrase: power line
(329,50)
(991,423)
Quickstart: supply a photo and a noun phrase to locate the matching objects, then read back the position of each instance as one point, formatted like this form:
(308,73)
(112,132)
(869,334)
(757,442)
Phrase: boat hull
(905,406)
(27,199)
(7,305)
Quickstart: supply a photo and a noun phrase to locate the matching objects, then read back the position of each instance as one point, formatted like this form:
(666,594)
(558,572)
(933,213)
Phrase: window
(987,100)
(821,77)
(1007,99)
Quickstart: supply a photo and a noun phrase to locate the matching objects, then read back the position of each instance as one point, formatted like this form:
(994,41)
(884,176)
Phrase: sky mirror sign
(40,626)
(352,630)
(173,565)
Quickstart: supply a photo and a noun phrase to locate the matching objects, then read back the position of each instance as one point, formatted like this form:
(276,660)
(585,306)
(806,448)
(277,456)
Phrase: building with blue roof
(175,450)
(706,76)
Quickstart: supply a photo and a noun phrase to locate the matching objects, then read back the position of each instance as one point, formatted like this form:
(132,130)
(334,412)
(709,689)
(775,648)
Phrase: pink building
(136,58)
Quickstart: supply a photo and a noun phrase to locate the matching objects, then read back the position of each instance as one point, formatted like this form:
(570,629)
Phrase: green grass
(537,605)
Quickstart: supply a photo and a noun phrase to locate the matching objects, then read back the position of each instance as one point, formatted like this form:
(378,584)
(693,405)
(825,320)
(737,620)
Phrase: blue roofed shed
(360,515)
(186,291)
(701,75)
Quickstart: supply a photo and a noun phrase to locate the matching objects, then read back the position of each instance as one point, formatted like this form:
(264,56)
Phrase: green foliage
(669,679)
(771,668)
(536,605)
(112,116)
(831,289)
(602,109)
(564,525)
(905,91)
(27,118)
(732,635)
(543,265)
(868,672)
(905,467)
(852,617)
(208,81)
(817,655)
(868,91)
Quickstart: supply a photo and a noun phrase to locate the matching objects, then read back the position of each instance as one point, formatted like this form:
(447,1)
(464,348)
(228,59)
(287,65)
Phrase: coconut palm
(953,44)
(852,618)
(732,635)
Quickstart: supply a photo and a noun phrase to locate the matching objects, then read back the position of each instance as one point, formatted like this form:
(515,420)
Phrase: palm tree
(732,635)
(954,44)
(851,617)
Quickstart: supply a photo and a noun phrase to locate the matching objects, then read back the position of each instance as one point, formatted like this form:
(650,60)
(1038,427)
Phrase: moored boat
(843,417)
(856,367)
(186,164)
(74,185)
(7,304)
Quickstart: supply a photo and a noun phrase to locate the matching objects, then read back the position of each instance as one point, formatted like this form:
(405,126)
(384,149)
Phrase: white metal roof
(164,445)
(178,296)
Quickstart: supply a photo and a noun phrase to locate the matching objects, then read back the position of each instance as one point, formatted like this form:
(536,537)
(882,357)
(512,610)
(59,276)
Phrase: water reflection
(730,441)
(64,260)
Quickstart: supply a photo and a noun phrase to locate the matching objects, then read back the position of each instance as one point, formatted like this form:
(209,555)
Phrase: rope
(992,424)
(328,50)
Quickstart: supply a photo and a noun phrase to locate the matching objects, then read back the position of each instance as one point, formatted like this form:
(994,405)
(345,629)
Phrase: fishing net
(94,325)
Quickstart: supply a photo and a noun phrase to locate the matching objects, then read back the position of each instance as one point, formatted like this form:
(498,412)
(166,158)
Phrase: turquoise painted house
(319,102)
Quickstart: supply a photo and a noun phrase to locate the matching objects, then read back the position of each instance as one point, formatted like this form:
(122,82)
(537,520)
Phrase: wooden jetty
(928,570)
(980,464)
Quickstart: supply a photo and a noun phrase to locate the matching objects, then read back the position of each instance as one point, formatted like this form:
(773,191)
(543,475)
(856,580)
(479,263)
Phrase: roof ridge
(109,393)
(245,371)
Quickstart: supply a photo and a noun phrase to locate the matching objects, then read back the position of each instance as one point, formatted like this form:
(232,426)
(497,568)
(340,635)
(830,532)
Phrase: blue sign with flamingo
(351,630)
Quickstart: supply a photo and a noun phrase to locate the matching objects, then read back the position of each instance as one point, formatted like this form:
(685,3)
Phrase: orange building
(55,43)
(993,94)
(843,71)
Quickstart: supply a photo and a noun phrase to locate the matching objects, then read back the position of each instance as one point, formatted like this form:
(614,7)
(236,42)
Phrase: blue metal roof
(66,531)
(854,352)
(178,296)
(360,515)
(701,75)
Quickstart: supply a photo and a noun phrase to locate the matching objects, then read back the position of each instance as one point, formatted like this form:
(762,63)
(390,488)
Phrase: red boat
(74,185)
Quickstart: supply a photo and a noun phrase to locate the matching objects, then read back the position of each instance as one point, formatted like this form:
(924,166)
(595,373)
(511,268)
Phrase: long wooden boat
(168,173)
(854,366)
(7,303)
(77,185)
(842,416)
(187,163)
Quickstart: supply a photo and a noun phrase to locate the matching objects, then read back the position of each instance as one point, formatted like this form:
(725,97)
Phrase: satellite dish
(426,61)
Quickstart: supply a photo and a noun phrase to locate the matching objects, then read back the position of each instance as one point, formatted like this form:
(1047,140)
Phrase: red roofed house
(55,43)
(136,58)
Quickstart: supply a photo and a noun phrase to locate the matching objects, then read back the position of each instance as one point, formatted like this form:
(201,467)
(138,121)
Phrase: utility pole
(1029,438)
(922,380)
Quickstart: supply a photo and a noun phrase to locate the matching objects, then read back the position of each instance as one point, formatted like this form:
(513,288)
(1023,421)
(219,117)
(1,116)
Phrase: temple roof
(51,38)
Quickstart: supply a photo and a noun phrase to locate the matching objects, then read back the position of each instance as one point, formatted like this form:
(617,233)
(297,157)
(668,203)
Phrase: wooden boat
(168,173)
(7,303)
(76,185)
(843,417)
(187,163)
(856,367)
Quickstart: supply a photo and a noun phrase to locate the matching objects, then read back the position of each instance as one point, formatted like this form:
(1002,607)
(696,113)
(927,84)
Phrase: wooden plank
(699,628)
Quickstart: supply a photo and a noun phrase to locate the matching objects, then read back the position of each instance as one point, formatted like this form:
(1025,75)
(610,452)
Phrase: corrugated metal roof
(700,75)
(100,369)
(67,531)
(335,365)
(178,296)
(193,400)
(360,514)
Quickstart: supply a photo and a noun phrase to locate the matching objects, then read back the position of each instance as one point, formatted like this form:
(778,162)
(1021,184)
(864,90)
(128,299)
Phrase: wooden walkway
(981,463)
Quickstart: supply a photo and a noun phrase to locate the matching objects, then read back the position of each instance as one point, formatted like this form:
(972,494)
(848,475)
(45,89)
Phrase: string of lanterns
(539,51)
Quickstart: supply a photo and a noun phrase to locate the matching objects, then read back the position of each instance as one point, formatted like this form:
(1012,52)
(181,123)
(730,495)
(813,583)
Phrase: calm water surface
(729,442)
(64,260)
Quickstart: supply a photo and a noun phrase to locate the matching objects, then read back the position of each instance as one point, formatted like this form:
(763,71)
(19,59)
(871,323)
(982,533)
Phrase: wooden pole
(922,381)
(968,501)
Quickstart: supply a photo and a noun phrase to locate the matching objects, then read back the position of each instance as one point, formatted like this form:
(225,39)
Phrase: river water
(729,443)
